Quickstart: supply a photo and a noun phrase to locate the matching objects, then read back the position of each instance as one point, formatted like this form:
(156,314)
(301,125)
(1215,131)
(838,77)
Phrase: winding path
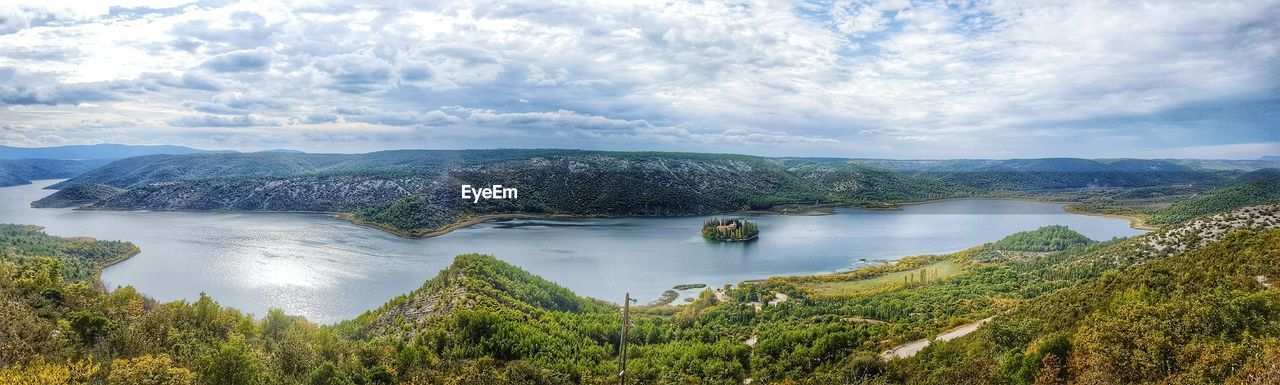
(911,348)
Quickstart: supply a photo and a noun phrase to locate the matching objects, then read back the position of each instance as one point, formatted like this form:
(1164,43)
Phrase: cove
(328,269)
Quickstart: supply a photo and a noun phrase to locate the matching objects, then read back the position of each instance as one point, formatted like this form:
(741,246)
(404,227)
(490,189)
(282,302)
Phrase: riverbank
(461,224)
(1135,221)
(351,217)
(97,274)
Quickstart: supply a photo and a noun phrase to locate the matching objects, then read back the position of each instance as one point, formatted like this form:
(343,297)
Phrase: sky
(882,79)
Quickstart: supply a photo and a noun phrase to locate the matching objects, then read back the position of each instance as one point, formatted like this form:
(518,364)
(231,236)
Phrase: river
(328,269)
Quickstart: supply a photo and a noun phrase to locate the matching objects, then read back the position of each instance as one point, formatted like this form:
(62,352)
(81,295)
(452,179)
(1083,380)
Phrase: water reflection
(328,269)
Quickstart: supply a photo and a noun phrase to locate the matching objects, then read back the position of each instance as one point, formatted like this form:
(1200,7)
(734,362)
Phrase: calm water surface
(328,269)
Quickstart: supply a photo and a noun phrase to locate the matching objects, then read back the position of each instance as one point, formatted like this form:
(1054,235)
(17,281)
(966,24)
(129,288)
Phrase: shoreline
(97,275)
(1135,222)
(456,225)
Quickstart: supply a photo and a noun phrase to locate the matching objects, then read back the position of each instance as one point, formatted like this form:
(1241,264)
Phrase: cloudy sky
(896,79)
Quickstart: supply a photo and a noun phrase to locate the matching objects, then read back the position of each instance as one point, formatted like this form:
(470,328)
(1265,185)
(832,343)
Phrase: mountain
(417,192)
(78,195)
(94,151)
(1254,188)
(15,172)
(1230,164)
(21,165)
(143,170)
(1051,173)
(850,182)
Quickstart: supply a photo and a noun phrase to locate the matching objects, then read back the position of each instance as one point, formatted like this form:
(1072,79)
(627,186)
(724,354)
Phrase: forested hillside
(77,195)
(1188,304)
(23,171)
(1048,238)
(1258,187)
(1053,173)
(416,192)
(854,183)
(92,151)
(77,258)
(1207,316)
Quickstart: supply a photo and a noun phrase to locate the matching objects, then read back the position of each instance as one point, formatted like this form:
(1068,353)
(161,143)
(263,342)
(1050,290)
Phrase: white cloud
(220,121)
(858,76)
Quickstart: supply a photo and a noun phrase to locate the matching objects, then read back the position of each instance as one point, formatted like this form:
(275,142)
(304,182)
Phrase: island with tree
(729,230)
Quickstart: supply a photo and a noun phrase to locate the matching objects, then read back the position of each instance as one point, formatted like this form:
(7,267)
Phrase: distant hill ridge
(1254,188)
(415,192)
(15,172)
(21,165)
(94,151)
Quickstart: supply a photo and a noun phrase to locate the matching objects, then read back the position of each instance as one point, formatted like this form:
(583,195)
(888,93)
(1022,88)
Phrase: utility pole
(622,341)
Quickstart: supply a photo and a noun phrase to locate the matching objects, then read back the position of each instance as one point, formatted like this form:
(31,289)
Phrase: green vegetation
(15,172)
(78,195)
(76,258)
(1122,311)
(1198,317)
(1057,173)
(1258,187)
(414,192)
(931,272)
(858,184)
(1186,304)
(1047,238)
(730,230)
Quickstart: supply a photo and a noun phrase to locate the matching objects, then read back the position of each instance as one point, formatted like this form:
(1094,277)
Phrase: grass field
(938,270)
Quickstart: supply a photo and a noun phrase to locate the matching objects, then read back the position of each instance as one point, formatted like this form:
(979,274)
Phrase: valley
(415,192)
(677,192)
(328,269)
(1067,312)
(269,268)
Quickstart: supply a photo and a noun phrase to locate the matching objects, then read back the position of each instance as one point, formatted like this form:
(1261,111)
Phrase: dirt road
(911,348)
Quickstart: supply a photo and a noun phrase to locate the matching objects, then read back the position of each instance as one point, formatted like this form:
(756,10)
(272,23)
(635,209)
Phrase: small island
(729,230)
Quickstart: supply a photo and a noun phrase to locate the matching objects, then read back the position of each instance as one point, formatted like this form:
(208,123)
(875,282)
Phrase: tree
(329,374)
(88,326)
(1052,371)
(234,363)
(70,373)
(149,370)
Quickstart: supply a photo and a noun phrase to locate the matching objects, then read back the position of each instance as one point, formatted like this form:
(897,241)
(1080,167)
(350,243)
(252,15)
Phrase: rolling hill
(1254,188)
(93,151)
(1193,303)
(23,171)
(416,192)
(1052,173)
